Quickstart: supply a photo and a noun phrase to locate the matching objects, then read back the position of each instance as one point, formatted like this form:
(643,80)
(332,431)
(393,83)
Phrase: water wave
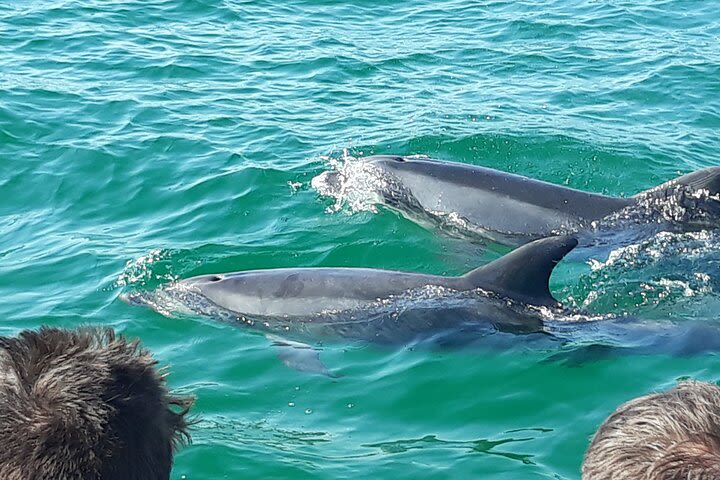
(119,120)
(667,271)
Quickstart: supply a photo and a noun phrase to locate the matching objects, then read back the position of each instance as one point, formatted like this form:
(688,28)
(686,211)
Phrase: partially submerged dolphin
(486,307)
(380,306)
(334,295)
(513,209)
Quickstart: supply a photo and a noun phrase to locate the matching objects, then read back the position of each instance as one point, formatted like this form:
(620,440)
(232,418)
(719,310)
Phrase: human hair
(85,404)
(671,435)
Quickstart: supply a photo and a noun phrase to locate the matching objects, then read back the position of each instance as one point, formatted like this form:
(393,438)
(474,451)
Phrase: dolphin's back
(308,291)
(304,292)
(498,201)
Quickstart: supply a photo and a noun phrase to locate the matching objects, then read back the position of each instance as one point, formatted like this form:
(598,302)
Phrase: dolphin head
(227,296)
(397,181)
(200,281)
(388,161)
(214,287)
(364,174)
(390,166)
(360,184)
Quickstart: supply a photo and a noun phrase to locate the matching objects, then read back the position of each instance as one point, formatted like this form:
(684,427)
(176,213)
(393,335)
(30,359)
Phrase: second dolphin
(513,209)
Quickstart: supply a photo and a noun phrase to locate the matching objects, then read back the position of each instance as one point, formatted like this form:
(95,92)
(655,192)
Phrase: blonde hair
(672,435)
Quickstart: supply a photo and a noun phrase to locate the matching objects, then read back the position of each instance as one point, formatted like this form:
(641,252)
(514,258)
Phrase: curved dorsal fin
(524,273)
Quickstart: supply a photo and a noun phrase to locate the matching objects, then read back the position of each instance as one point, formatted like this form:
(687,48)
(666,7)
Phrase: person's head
(87,405)
(672,435)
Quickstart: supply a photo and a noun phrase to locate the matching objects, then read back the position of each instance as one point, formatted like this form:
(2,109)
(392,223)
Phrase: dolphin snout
(333,179)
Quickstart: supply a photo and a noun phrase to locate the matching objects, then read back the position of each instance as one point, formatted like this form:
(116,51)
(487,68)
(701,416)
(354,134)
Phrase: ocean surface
(144,141)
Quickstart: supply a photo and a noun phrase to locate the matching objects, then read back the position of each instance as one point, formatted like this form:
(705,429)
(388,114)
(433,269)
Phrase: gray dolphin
(313,294)
(488,307)
(513,209)
(379,306)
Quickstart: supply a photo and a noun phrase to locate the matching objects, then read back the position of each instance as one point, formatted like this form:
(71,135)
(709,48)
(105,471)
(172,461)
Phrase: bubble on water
(567,315)
(661,246)
(140,271)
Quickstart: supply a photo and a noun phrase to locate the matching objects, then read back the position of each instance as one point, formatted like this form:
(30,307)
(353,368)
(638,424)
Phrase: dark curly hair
(85,404)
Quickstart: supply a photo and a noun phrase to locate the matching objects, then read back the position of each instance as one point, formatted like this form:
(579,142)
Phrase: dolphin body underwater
(513,210)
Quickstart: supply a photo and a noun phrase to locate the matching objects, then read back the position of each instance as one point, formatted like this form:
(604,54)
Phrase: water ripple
(182,137)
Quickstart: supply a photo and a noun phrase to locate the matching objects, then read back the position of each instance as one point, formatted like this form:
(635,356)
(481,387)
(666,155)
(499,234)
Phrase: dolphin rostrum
(513,209)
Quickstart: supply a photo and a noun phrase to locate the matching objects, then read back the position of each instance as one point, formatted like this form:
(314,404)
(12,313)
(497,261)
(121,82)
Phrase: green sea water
(142,141)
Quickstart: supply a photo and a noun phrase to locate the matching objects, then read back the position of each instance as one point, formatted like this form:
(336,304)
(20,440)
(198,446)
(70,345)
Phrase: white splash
(663,245)
(663,269)
(352,182)
(140,271)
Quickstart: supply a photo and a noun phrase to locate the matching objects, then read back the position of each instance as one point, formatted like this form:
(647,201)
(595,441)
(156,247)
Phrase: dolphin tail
(524,273)
(707,179)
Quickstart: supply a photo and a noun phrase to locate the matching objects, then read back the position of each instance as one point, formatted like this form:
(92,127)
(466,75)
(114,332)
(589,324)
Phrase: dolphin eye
(215,278)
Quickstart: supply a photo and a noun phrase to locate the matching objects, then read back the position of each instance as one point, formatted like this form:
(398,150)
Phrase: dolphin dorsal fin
(524,273)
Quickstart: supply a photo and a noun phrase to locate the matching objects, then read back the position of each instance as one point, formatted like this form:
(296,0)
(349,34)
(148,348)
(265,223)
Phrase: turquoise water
(143,141)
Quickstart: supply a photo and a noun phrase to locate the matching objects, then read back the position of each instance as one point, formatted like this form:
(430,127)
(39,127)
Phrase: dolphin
(513,210)
(500,305)
(314,295)
(292,305)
